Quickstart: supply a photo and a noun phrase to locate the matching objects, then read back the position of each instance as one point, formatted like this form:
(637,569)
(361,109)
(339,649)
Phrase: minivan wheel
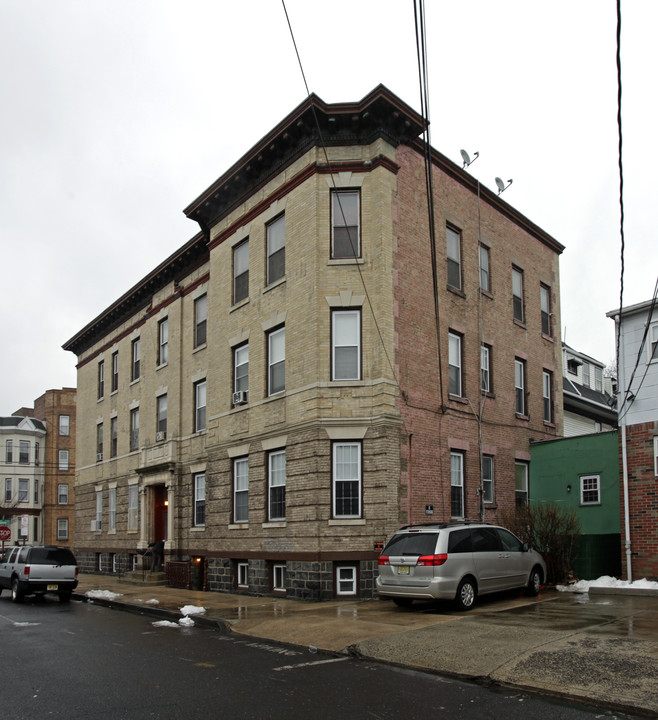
(16,592)
(466,594)
(403,602)
(534,583)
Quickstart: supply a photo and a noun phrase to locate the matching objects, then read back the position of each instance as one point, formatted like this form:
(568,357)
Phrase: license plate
(403,570)
(52,587)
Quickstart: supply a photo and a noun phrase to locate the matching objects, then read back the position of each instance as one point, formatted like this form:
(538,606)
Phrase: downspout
(624,459)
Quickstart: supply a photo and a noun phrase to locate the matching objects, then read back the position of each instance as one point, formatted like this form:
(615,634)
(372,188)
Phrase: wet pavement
(598,648)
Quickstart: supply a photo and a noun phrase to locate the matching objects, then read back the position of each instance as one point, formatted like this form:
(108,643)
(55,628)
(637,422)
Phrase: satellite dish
(465,157)
(500,185)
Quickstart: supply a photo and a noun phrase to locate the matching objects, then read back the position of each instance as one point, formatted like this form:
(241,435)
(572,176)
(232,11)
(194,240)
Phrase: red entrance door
(159,513)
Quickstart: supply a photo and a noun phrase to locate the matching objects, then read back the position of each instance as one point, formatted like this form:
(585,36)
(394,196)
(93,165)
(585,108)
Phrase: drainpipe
(624,459)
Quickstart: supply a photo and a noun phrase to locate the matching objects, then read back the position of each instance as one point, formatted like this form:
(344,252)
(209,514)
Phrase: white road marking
(309,664)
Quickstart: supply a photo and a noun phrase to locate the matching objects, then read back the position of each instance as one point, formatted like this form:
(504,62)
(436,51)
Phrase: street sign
(5,533)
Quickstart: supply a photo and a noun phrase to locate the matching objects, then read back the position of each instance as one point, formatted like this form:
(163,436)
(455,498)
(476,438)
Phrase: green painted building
(582,473)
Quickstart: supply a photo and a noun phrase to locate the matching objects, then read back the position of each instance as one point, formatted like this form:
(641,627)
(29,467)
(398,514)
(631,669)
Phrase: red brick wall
(643,501)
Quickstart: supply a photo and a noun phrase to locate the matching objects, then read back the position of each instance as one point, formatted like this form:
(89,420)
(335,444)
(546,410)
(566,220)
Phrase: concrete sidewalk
(601,649)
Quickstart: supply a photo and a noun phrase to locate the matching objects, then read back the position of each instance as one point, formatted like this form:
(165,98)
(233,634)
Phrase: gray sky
(116,114)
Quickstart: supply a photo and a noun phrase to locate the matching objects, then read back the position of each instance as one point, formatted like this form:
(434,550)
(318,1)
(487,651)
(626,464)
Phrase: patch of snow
(102,594)
(165,623)
(192,610)
(186,621)
(25,624)
(583,586)
(152,601)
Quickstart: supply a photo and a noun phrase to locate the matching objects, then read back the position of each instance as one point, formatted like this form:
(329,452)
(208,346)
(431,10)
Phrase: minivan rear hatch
(409,559)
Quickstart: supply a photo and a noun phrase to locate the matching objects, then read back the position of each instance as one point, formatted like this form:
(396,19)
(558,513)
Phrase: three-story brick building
(307,373)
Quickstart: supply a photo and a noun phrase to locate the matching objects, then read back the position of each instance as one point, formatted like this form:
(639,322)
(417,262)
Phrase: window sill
(551,425)
(458,399)
(275,396)
(162,365)
(347,521)
(275,284)
(521,416)
(487,294)
(548,338)
(520,323)
(239,304)
(239,526)
(198,348)
(135,381)
(114,392)
(456,291)
(489,394)
(274,524)
(198,528)
(346,261)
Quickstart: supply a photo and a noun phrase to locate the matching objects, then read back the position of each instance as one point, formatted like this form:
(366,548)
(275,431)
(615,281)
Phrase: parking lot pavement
(599,648)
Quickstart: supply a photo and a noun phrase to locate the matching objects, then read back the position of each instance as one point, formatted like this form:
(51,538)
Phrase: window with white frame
(8,490)
(99,442)
(241,369)
(99,508)
(112,510)
(37,459)
(278,577)
(200,320)
(485,280)
(161,419)
(135,360)
(63,494)
(586,378)
(63,460)
(36,490)
(652,348)
(199,499)
(134,429)
(23,490)
(276,361)
(9,456)
(133,507)
(62,529)
(545,303)
(114,562)
(276,249)
(200,406)
(598,379)
(454,241)
(163,341)
(64,424)
(345,231)
(590,490)
(346,580)
(485,368)
(547,394)
(517,294)
(346,345)
(488,478)
(521,479)
(114,436)
(456,485)
(241,271)
(277,485)
(24,451)
(115,371)
(241,490)
(101,379)
(243,574)
(347,479)
(455,364)
(519,386)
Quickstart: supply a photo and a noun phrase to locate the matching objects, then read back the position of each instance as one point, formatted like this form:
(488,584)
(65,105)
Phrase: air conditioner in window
(160,436)
(240,397)
(99,457)
(95,525)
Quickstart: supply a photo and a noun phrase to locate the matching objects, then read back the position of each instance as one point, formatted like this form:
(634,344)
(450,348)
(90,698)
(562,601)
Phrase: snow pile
(165,623)
(152,601)
(186,621)
(583,586)
(102,594)
(192,610)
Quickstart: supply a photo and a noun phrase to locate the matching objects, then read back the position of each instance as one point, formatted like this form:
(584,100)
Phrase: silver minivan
(456,561)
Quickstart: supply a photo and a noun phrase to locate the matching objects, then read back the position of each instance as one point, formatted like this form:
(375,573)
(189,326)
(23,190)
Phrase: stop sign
(5,532)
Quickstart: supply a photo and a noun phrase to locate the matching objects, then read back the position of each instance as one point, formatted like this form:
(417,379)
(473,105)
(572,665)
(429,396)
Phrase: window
(346,580)
(241,271)
(241,368)
(99,508)
(455,364)
(586,376)
(243,574)
(199,499)
(545,302)
(163,341)
(134,429)
(590,490)
(200,320)
(62,529)
(347,479)
(36,490)
(454,257)
(517,294)
(8,490)
(135,355)
(346,345)
(488,478)
(485,368)
(547,384)
(277,485)
(63,494)
(456,485)
(133,507)
(24,451)
(36,453)
(521,474)
(63,460)
(114,432)
(162,415)
(278,577)
(519,386)
(64,425)
(345,235)
(10,451)
(23,490)
(101,379)
(598,379)
(276,249)
(241,490)
(485,281)
(276,360)
(200,406)
(99,442)
(115,371)
(652,347)
(113,510)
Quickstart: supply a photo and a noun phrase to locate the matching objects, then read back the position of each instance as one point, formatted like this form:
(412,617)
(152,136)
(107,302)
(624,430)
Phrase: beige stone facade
(307,404)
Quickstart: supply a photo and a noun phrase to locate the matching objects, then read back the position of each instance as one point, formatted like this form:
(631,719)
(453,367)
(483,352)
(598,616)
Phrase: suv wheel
(534,583)
(16,592)
(466,594)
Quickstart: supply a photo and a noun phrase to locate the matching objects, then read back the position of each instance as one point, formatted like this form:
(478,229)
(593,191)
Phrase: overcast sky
(116,115)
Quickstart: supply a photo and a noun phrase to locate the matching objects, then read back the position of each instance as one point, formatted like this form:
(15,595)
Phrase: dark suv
(36,570)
